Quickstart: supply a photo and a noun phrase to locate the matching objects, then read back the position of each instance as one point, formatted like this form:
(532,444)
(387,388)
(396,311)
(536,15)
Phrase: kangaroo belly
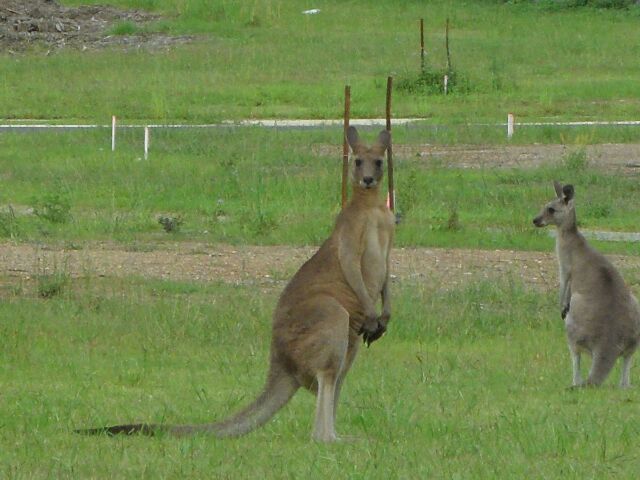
(374,260)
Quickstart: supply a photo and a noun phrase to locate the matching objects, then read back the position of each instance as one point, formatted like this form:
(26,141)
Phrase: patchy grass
(533,62)
(258,186)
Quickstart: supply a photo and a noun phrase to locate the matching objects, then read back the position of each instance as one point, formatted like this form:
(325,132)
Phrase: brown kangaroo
(601,315)
(323,310)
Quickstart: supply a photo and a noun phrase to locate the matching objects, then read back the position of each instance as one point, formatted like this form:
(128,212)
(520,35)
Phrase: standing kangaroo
(323,310)
(601,314)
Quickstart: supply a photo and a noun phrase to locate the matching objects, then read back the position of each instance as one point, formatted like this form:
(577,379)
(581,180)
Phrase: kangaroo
(601,315)
(327,305)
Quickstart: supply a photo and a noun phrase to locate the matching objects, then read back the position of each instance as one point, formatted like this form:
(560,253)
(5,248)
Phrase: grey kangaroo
(601,315)
(322,312)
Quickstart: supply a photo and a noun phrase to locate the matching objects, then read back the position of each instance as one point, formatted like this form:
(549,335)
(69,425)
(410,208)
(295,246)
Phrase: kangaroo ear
(558,188)
(384,139)
(567,192)
(353,138)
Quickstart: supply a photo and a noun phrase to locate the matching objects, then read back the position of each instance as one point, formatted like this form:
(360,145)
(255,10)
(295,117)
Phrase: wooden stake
(446,44)
(422,44)
(345,144)
(392,200)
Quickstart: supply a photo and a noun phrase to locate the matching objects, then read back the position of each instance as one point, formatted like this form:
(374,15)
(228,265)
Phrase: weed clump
(53,208)
(576,160)
(8,223)
(431,82)
(170,224)
(51,285)
(604,4)
(435,81)
(124,28)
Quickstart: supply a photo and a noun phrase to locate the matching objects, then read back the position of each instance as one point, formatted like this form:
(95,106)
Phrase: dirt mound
(25,23)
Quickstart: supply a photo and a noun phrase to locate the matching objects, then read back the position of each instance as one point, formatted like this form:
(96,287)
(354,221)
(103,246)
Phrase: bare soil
(46,23)
(274,265)
(623,157)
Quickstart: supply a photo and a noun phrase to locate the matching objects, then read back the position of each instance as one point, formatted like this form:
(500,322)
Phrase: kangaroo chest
(564,260)
(377,243)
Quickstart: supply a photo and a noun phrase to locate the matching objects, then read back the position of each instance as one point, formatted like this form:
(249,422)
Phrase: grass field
(264,58)
(456,390)
(469,382)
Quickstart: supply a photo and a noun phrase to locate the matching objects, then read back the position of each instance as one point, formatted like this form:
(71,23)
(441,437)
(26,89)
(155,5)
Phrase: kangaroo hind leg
(324,428)
(575,364)
(625,378)
(325,349)
(603,362)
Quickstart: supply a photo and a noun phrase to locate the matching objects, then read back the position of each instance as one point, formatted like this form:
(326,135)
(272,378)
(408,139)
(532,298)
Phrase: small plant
(53,208)
(408,194)
(51,285)
(8,223)
(265,224)
(576,160)
(453,222)
(124,28)
(428,82)
(170,224)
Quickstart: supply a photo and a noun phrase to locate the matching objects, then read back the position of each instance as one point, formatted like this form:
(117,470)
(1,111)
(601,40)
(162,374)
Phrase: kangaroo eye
(551,210)
(358,162)
(378,163)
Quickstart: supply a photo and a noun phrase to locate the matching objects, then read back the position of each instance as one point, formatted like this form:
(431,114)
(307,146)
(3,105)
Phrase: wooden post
(345,144)
(392,199)
(446,44)
(422,44)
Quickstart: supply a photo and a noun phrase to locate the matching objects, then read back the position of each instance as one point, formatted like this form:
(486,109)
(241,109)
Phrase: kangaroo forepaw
(371,335)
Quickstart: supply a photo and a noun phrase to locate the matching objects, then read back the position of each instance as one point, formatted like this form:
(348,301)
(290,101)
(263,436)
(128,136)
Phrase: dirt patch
(274,265)
(624,156)
(46,23)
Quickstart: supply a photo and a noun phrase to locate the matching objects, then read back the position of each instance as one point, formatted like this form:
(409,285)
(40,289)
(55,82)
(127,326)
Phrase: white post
(446,84)
(510,124)
(146,142)
(113,133)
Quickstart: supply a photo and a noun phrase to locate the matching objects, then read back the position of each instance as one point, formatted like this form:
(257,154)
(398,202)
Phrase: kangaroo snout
(368,181)
(538,222)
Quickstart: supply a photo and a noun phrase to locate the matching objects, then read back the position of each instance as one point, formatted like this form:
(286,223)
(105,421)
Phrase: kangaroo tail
(277,392)
(130,429)
(603,363)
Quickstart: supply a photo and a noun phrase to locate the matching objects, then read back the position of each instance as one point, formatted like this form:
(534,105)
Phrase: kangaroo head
(559,211)
(367,168)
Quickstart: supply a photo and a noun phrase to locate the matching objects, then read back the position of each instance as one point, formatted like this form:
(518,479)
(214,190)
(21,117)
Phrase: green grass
(265,59)
(256,186)
(124,28)
(455,390)
(470,380)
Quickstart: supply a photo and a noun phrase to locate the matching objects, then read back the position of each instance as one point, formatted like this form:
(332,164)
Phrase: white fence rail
(511,125)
